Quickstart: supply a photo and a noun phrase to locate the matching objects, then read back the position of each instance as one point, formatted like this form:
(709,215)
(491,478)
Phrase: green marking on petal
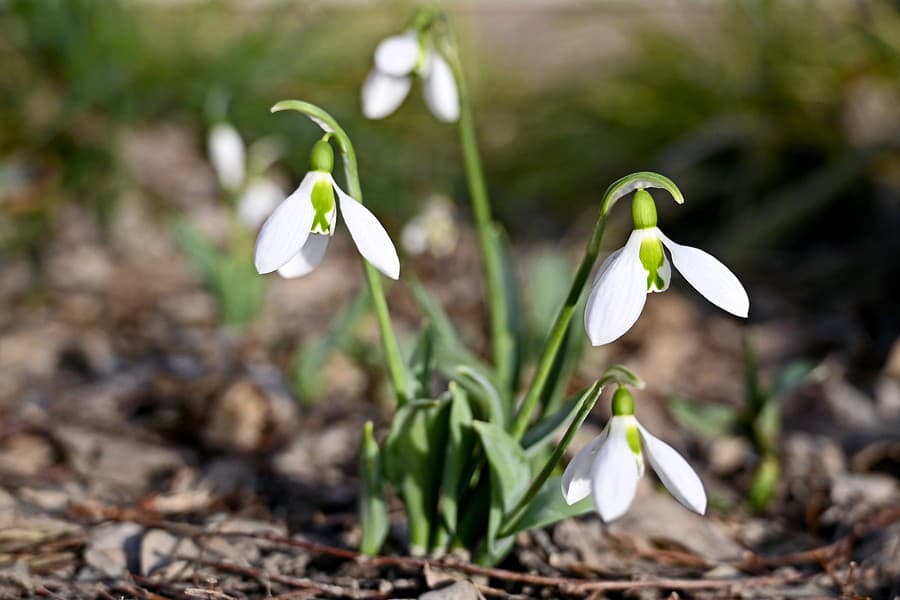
(634,439)
(652,257)
(323,202)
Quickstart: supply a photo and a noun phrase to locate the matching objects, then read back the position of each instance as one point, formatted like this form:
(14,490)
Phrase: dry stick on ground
(564,584)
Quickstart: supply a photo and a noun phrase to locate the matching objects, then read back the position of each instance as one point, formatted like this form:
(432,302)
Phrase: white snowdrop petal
(382,94)
(227,155)
(617,295)
(286,230)
(309,257)
(674,471)
(615,474)
(439,89)
(576,480)
(709,277)
(397,54)
(370,237)
(260,197)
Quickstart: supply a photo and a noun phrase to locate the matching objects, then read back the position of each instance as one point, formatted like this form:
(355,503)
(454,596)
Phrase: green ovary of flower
(323,203)
(652,257)
(643,210)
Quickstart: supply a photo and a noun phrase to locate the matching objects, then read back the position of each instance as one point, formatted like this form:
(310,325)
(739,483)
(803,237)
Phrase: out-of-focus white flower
(259,198)
(627,275)
(294,238)
(397,59)
(228,155)
(608,468)
(433,230)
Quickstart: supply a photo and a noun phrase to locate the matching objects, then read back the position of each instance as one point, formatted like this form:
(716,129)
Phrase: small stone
(461,590)
(871,488)
(728,454)
(160,552)
(112,549)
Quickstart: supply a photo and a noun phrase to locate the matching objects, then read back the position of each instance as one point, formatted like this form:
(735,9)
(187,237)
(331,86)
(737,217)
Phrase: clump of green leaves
(758,420)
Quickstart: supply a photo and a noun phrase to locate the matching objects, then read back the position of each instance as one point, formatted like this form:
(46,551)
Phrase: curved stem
(587,404)
(619,188)
(501,337)
(351,173)
(558,331)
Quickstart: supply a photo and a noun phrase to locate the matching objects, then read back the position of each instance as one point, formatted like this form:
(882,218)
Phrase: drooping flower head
(609,468)
(623,281)
(399,59)
(294,238)
(227,154)
(242,172)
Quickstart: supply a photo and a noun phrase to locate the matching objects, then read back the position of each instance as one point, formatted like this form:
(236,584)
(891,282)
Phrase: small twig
(298,582)
(565,584)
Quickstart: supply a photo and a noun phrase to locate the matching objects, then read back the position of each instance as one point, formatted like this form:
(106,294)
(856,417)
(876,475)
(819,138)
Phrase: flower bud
(643,210)
(322,157)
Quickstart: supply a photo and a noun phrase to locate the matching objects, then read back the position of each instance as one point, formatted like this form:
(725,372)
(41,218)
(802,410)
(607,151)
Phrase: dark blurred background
(778,120)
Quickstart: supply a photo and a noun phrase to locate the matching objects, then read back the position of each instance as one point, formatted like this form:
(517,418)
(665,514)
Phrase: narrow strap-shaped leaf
(460,443)
(548,507)
(421,363)
(485,394)
(413,463)
(311,356)
(511,341)
(448,344)
(509,474)
(373,514)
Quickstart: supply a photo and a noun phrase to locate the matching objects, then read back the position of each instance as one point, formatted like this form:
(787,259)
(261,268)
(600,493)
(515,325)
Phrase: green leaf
(543,430)
(792,376)
(548,507)
(512,342)
(311,356)
(765,483)
(421,363)
(767,425)
(510,477)
(708,420)
(485,394)
(203,256)
(373,515)
(460,443)
(449,346)
(233,281)
(414,454)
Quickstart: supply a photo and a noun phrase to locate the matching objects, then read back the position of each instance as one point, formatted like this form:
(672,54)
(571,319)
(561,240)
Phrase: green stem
(614,192)
(501,337)
(351,173)
(587,404)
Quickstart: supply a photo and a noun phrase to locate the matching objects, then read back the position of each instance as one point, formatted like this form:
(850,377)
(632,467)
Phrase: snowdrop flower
(294,238)
(397,59)
(610,466)
(625,278)
(258,200)
(227,154)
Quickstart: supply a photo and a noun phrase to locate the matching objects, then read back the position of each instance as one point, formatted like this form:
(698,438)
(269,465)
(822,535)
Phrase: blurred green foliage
(769,114)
